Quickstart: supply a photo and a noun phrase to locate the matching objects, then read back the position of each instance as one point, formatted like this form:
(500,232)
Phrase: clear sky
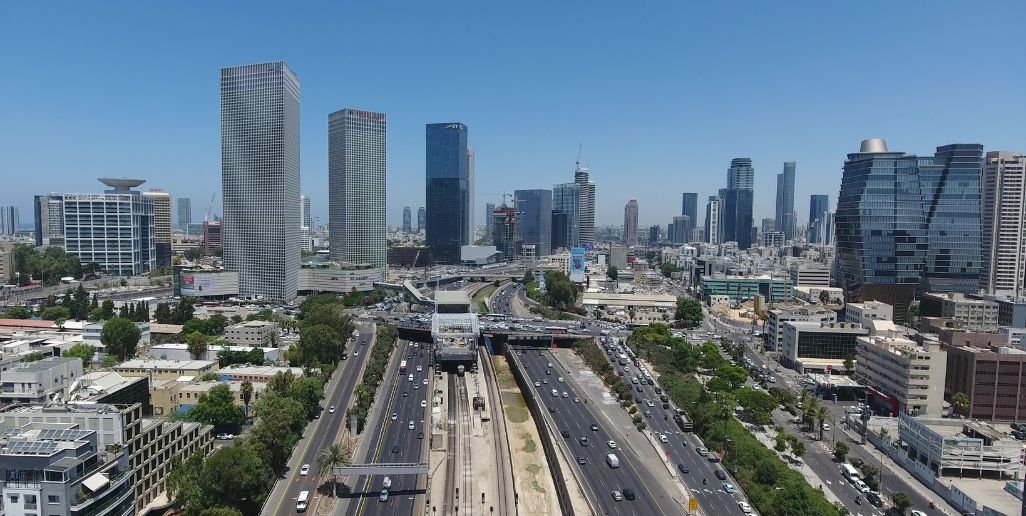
(661,94)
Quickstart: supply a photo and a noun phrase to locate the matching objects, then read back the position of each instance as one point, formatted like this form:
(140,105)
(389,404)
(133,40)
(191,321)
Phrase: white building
(1014,336)
(953,308)
(251,333)
(243,373)
(180,351)
(776,318)
(959,448)
(863,313)
(898,368)
(161,225)
(114,229)
(260,178)
(40,381)
(356,186)
(809,275)
(1003,235)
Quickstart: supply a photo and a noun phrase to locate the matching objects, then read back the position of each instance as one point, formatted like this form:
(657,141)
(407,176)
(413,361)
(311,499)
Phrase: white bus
(302,501)
(849,472)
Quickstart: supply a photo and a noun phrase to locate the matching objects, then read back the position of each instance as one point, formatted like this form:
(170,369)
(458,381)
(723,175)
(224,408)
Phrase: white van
(613,460)
(409,378)
(849,472)
(302,501)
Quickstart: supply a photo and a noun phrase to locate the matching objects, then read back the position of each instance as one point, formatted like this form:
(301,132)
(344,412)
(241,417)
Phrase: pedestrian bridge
(396,468)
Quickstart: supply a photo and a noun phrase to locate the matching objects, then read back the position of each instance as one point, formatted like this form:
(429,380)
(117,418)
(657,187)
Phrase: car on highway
(545,381)
(860,486)
(684,470)
(611,445)
(650,403)
(917,513)
(420,435)
(395,448)
(383,497)
(416,386)
(225,437)
(411,426)
(565,394)
(745,508)
(331,409)
(537,384)
(663,438)
(728,488)
(552,409)
(424,381)
(564,433)
(617,496)
(702,451)
(594,427)
(583,441)
(577,400)
(303,471)
(629,494)
(874,498)
(395,416)
(423,403)
(582,460)
(638,388)
(420,368)
(406,394)
(549,364)
(560,379)
(720,474)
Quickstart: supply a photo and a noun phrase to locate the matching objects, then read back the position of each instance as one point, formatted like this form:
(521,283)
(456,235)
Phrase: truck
(613,460)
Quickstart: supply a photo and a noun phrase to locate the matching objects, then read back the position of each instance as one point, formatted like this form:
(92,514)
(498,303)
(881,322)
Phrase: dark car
(582,460)
(682,468)
(638,388)
(583,441)
(720,474)
(629,494)
(874,499)
(552,409)
(564,433)
(395,449)
(420,435)
(594,427)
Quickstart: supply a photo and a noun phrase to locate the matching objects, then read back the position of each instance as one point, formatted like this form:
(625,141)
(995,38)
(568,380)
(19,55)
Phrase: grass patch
(481,298)
(529,444)
(515,407)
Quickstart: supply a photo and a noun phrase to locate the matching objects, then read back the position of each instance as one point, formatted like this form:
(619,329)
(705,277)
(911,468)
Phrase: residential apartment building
(1004,223)
(251,333)
(60,469)
(902,376)
(776,318)
(805,275)
(40,381)
(958,311)
(815,347)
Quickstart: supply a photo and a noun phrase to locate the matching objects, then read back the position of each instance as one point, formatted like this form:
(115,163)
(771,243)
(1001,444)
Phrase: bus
(302,501)
(558,330)
(402,367)
(497,317)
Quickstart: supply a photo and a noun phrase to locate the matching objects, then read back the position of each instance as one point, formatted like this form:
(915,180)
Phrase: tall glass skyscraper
(737,203)
(566,199)
(260,178)
(908,223)
(534,223)
(586,217)
(184,212)
(689,208)
(447,190)
(356,186)
(407,220)
(785,218)
(819,205)
(307,220)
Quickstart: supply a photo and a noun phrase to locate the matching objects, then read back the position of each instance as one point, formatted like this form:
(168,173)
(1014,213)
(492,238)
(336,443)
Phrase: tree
(840,451)
(281,382)
(824,297)
(56,312)
(17,312)
(528,277)
(797,449)
(197,344)
(849,364)
(107,309)
(901,501)
(217,407)
(120,337)
(162,314)
(961,403)
(221,511)
(235,476)
(781,442)
(83,352)
(280,423)
(246,390)
(308,391)
(612,272)
(183,483)
(689,312)
(336,455)
(821,414)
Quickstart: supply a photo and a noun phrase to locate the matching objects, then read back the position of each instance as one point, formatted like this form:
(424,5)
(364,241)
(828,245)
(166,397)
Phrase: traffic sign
(692,504)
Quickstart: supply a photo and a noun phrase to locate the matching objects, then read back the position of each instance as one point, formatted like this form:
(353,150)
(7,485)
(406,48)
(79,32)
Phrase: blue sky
(661,94)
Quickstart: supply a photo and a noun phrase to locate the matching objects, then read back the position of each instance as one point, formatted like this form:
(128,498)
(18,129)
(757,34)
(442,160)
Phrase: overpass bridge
(497,340)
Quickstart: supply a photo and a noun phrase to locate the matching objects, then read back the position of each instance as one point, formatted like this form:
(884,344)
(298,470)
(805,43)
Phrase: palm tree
(336,455)
(961,402)
(821,414)
(809,412)
(247,394)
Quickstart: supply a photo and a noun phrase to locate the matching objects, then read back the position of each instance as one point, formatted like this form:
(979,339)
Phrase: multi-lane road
(576,420)
(326,430)
(392,440)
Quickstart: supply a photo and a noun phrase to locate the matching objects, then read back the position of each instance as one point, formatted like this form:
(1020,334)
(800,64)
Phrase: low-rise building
(59,469)
(324,276)
(263,374)
(646,307)
(252,334)
(955,310)
(188,394)
(902,376)
(776,318)
(166,369)
(1014,336)
(92,332)
(775,290)
(863,313)
(960,448)
(819,347)
(809,275)
(40,381)
(993,377)
(814,295)
(179,351)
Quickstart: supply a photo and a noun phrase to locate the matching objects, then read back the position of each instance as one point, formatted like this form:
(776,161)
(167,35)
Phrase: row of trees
(689,312)
(560,293)
(381,352)
(324,330)
(47,266)
(596,360)
(181,312)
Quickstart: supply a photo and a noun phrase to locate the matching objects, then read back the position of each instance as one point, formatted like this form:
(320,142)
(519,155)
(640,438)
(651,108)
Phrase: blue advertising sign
(577,265)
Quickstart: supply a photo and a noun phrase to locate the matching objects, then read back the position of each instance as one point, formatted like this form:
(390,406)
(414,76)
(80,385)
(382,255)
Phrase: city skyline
(675,121)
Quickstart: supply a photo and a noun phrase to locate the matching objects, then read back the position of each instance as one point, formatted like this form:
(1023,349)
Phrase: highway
(598,478)
(680,449)
(392,441)
(322,432)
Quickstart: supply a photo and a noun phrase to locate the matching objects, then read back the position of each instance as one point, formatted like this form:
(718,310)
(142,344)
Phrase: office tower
(184,212)
(566,199)
(785,217)
(828,229)
(630,223)
(1004,224)
(161,225)
(213,238)
(307,220)
(689,206)
(737,203)
(489,208)
(713,219)
(356,186)
(586,214)
(407,220)
(653,235)
(49,224)
(447,190)
(819,204)
(114,229)
(768,225)
(559,227)
(421,219)
(9,222)
(260,178)
(534,219)
(681,229)
(923,229)
(470,195)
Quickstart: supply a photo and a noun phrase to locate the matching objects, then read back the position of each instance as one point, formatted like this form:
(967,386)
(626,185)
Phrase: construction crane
(210,207)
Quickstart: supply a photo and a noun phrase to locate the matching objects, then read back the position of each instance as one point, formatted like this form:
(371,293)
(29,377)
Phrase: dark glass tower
(689,208)
(737,203)
(534,208)
(819,204)
(908,223)
(785,218)
(447,196)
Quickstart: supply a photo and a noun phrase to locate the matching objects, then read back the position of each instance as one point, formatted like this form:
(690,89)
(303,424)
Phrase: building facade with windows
(161,225)
(786,218)
(114,229)
(356,186)
(1004,224)
(447,194)
(534,219)
(811,347)
(903,376)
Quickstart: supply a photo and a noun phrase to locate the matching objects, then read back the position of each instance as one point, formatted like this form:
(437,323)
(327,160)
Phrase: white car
(424,381)
(560,379)
(331,409)
(611,445)
(537,384)
(395,416)
(420,368)
(663,438)
(303,471)
(565,394)
(423,403)
(410,426)
(745,508)
(860,486)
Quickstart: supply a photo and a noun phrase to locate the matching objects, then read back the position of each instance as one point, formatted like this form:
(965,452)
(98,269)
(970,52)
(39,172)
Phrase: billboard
(577,265)
(196,284)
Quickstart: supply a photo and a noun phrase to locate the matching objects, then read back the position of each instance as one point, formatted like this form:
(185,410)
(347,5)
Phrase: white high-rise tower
(356,186)
(1004,223)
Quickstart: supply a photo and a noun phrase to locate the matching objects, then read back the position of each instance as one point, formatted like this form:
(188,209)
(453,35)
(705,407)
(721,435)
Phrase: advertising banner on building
(577,265)
(195,285)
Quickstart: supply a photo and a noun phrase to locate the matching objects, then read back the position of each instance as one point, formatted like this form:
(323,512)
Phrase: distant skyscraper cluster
(356,187)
